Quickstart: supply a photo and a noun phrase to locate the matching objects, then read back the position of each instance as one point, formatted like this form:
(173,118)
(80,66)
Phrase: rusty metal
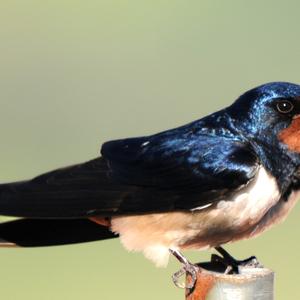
(251,283)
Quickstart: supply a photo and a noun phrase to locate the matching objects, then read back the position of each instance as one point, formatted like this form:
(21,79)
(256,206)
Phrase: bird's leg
(232,264)
(188,267)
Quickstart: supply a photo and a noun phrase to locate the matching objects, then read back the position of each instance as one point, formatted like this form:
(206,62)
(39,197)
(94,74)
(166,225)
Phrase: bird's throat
(291,135)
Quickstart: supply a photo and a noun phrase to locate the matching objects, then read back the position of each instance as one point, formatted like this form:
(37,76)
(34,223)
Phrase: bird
(228,176)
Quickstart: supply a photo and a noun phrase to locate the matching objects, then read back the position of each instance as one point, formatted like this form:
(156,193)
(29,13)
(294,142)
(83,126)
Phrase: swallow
(228,176)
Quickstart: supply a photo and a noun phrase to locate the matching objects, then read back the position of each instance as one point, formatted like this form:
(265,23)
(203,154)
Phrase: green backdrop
(74,74)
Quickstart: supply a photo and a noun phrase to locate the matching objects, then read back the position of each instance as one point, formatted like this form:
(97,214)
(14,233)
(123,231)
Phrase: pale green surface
(76,73)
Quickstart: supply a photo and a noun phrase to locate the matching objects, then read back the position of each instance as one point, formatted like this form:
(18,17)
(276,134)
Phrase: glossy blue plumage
(221,150)
(178,169)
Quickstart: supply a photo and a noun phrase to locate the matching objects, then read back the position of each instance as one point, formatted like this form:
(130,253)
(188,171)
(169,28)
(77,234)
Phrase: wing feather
(170,171)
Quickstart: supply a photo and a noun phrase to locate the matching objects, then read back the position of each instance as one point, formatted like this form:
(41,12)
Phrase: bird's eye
(284,107)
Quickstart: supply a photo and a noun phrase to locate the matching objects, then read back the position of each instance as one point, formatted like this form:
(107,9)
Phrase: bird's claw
(251,262)
(233,265)
(188,268)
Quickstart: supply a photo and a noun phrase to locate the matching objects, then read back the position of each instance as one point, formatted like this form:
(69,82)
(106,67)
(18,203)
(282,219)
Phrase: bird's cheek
(291,135)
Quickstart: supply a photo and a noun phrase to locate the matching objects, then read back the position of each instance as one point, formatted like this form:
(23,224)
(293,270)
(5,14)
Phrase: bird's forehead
(261,96)
(266,98)
(278,90)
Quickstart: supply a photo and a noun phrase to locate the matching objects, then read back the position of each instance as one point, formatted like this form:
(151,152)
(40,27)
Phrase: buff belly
(253,209)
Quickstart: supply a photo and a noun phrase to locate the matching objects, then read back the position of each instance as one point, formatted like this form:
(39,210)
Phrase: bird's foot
(232,265)
(188,268)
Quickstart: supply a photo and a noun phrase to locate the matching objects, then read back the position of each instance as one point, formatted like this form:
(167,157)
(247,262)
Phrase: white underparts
(205,226)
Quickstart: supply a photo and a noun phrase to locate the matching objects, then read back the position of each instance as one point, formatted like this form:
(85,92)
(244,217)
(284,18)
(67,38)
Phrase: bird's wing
(175,172)
(160,173)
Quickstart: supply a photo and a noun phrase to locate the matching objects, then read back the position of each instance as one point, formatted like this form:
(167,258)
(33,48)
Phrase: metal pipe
(251,284)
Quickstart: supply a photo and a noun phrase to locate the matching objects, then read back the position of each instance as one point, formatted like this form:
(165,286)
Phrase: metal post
(251,284)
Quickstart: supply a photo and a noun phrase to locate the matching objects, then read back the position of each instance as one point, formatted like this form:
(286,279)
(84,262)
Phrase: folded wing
(165,172)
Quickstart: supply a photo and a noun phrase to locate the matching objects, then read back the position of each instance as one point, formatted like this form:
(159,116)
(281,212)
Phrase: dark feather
(175,170)
(35,233)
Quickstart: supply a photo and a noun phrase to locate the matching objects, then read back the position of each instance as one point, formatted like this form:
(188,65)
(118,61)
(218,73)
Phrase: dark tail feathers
(35,232)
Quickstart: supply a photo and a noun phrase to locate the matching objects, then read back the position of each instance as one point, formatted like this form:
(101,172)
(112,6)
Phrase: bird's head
(270,113)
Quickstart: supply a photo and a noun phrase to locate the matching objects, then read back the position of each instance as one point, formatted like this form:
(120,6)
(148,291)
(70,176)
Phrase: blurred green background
(74,74)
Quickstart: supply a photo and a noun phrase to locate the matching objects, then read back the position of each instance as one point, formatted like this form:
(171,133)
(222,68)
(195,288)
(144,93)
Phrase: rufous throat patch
(291,135)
